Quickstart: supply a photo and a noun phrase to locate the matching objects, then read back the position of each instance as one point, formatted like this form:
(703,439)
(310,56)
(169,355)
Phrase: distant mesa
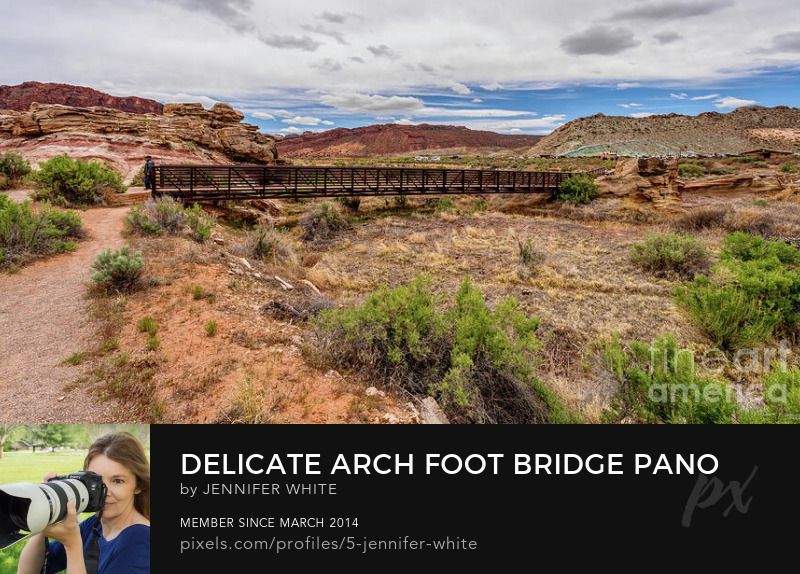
(708,133)
(21,96)
(389,139)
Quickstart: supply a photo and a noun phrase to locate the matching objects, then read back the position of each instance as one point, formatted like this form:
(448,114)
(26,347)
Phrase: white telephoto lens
(39,509)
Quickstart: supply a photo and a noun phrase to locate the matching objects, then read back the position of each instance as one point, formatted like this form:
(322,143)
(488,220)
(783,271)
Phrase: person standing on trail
(149,173)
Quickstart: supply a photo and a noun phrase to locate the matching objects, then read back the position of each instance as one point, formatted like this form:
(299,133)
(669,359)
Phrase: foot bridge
(216,182)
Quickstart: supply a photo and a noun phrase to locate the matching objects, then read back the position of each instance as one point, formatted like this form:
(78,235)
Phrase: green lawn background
(29,467)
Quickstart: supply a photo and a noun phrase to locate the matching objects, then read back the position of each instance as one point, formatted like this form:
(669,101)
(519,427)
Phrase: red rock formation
(20,98)
(392,139)
(184,133)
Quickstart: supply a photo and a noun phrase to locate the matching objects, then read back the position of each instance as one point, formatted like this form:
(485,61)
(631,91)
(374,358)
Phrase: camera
(29,507)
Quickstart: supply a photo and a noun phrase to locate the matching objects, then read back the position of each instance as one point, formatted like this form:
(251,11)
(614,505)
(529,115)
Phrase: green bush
(13,168)
(26,234)
(529,258)
(147,325)
(671,254)
(211,328)
(351,203)
(691,170)
(73,181)
(753,292)
(476,361)
(579,188)
(269,245)
(789,168)
(760,164)
(660,384)
(727,315)
(158,217)
(200,223)
(323,222)
(118,270)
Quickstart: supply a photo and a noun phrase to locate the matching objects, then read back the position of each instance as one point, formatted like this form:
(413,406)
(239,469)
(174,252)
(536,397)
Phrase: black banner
(240,497)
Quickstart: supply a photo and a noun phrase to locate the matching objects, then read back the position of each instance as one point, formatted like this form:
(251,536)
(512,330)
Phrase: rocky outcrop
(710,133)
(21,96)
(184,132)
(647,179)
(393,139)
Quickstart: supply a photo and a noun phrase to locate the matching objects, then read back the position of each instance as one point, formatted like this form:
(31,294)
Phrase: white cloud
(729,103)
(291,130)
(631,105)
(628,85)
(706,97)
(493,87)
(680,96)
(305,121)
(262,116)
(367,104)
(460,89)
(284,114)
(405,122)
(469,113)
(641,114)
(476,100)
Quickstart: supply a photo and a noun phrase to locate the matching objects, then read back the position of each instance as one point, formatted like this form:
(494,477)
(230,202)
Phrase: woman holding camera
(113,541)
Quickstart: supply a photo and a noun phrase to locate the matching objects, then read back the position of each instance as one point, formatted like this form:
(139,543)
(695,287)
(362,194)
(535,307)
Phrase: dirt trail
(43,320)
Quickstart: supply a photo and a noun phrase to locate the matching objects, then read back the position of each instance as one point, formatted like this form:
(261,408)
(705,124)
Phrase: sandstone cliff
(183,133)
(710,133)
(21,96)
(393,139)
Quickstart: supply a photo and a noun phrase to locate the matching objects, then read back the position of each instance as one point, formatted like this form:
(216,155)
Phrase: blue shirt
(128,553)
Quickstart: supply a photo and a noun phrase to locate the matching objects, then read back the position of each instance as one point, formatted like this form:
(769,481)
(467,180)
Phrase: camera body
(30,507)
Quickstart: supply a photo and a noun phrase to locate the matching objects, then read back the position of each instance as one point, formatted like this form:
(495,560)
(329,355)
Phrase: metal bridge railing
(212,182)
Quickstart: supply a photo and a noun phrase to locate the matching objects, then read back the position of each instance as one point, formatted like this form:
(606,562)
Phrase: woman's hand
(67,531)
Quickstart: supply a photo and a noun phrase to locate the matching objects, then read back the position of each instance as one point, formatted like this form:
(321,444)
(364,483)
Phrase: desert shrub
(444,204)
(691,170)
(752,221)
(579,188)
(761,203)
(158,217)
(782,396)
(671,254)
(476,361)
(200,223)
(479,204)
(744,159)
(529,258)
(700,218)
(760,164)
(323,222)
(269,245)
(351,203)
(727,314)
(660,384)
(768,272)
(400,201)
(720,171)
(26,234)
(68,223)
(13,167)
(211,328)
(138,178)
(789,168)
(147,325)
(75,181)
(118,270)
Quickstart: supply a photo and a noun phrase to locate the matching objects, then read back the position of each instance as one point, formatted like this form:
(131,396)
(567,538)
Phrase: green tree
(7,434)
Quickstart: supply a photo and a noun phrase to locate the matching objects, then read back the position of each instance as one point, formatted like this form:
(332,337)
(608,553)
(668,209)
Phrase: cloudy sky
(510,66)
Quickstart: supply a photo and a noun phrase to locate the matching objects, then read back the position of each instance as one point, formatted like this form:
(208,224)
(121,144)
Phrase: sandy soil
(43,320)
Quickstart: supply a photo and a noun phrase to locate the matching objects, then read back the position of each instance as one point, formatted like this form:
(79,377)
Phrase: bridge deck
(213,182)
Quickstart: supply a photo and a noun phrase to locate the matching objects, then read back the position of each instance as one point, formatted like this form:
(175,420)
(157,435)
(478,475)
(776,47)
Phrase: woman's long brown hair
(124,448)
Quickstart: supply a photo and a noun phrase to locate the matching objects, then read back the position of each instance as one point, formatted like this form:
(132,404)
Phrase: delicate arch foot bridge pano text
(216,182)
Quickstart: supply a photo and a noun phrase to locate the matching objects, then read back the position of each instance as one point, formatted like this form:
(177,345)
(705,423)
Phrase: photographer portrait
(115,539)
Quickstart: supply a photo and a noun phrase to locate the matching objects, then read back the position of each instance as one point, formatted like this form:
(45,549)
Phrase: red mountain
(392,139)
(20,98)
